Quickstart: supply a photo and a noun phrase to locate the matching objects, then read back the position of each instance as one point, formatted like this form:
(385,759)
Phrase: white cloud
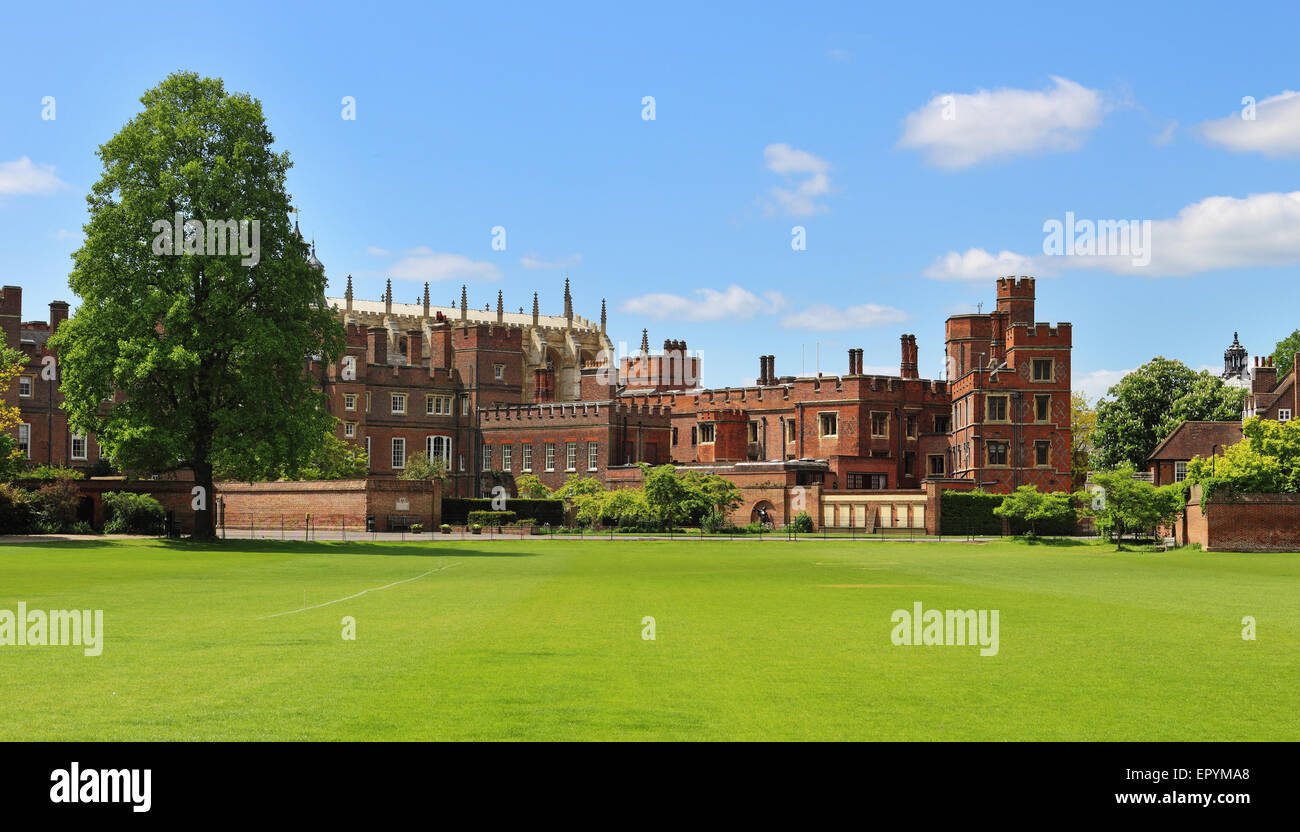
(535,261)
(957,130)
(822,317)
(1166,136)
(64,234)
(732,303)
(1095,384)
(425,264)
(378,252)
(1274,131)
(1219,232)
(799,200)
(24,177)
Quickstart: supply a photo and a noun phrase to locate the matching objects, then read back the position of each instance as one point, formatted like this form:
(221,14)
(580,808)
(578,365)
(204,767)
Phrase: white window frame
(464,405)
(349,430)
(570,456)
(486,455)
(526,462)
(821,424)
(85,446)
(399,442)
(349,401)
(437,405)
(507,458)
(397,404)
(549,459)
(1180,471)
(438,446)
(25,439)
(30,381)
(499,372)
(1284,414)
(593,456)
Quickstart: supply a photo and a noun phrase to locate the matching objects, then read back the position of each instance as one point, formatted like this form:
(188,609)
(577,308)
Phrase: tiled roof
(1192,439)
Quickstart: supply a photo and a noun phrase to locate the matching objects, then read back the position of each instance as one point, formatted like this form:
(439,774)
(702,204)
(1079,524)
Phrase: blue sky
(830,117)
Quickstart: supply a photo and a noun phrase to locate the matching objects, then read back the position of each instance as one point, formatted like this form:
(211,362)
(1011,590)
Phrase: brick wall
(1245,523)
(332,504)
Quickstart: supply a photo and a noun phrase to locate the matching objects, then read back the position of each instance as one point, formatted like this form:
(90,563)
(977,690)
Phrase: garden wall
(1241,523)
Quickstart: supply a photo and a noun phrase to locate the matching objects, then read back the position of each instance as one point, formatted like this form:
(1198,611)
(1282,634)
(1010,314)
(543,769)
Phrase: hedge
(493,518)
(456,509)
(971,512)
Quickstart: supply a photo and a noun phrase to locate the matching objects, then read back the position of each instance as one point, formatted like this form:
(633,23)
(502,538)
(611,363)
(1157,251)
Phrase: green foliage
(128,513)
(11,459)
(420,466)
(981,513)
(611,508)
(493,518)
(17,514)
(578,486)
(456,509)
(713,522)
(55,505)
(802,522)
(53,472)
(205,354)
(1148,403)
(530,486)
(1133,506)
(1265,461)
(1083,423)
(1284,353)
(1030,507)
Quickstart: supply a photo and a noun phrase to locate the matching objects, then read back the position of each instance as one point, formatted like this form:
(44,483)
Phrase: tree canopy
(1131,506)
(1148,403)
(202,352)
(1266,460)
(1284,353)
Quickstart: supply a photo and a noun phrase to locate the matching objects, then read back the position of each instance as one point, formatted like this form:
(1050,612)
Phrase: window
(997,453)
(936,465)
(527,463)
(1043,408)
(1180,471)
(1283,414)
(911,427)
(464,406)
(506,459)
(499,372)
(550,456)
(880,424)
(707,433)
(437,406)
(941,424)
(828,424)
(487,458)
(570,456)
(368,457)
(1042,453)
(1043,369)
(593,454)
(349,429)
(399,404)
(997,408)
(460,460)
(25,386)
(753,433)
(25,440)
(695,434)
(399,452)
(349,401)
(860,481)
(674,436)
(78,446)
(791,431)
(367,402)
(438,447)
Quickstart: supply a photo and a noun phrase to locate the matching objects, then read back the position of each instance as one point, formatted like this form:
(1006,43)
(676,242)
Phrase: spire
(534,309)
(602,316)
(426,299)
(388,298)
(501,309)
(347,295)
(645,342)
(464,302)
(568,304)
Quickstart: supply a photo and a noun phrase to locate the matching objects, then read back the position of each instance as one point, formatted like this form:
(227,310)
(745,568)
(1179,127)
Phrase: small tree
(1132,506)
(421,466)
(530,486)
(11,458)
(1031,507)
(578,486)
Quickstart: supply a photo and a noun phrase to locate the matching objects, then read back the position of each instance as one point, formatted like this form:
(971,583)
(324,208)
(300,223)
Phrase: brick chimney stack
(377,345)
(908,367)
(58,314)
(414,346)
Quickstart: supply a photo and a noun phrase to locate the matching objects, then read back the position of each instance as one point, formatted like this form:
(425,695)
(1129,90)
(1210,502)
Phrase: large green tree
(1284,353)
(201,352)
(1148,403)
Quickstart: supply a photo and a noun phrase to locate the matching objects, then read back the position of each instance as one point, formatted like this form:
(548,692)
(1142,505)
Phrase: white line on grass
(358,595)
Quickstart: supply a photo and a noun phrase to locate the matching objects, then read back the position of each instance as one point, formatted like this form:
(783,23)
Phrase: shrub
(17,514)
(714,521)
(55,506)
(802,522)
(129,513)
(53,472)
(755,528)
(456,509)
(492,518)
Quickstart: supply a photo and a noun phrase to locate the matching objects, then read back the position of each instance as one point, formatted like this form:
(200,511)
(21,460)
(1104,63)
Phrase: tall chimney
(376,345)
(414,346)
(58,314)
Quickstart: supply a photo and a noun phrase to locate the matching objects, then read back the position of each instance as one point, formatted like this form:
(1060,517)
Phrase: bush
(17,515)
(492,518)
(714,522)
(802,522)
(129,513)
(456,509)
(53,472)
(55,506)
(971,512)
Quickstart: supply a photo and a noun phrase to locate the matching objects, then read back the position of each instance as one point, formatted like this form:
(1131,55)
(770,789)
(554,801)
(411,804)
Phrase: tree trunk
(205,526)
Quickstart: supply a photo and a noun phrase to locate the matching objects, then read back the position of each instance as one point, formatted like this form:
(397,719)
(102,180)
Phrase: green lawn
(543,640)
